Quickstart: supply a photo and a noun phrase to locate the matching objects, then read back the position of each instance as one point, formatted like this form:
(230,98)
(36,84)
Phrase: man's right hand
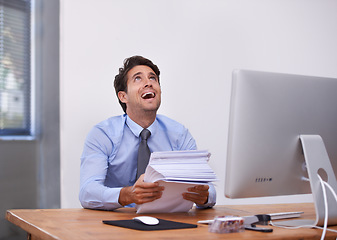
(140,192)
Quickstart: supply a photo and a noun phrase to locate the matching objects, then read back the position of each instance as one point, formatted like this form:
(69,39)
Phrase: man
(109,158)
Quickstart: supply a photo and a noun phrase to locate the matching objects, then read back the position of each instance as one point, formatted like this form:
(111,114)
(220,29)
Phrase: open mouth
(148,95)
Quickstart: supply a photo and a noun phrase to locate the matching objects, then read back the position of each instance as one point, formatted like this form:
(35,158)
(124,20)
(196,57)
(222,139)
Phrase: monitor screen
(268,113)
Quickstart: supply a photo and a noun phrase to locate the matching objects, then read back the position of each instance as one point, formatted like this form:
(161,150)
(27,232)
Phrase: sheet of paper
(171,200)
(176,171)
(180,154)
(180,165)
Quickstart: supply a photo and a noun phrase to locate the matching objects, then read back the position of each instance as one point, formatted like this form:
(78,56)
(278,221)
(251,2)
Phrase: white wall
(196,44)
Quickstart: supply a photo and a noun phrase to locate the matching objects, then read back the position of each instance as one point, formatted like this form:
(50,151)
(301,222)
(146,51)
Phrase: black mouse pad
(163,225)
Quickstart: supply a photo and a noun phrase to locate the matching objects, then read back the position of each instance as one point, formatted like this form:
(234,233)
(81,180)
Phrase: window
(15,68)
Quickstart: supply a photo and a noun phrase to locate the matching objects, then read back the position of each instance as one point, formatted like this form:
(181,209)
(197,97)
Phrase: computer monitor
(276,119)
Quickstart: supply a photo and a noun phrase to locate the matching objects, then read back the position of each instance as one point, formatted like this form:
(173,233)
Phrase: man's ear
(122,96)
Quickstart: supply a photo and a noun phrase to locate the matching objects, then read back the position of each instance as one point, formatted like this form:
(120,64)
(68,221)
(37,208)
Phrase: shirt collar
(136,129)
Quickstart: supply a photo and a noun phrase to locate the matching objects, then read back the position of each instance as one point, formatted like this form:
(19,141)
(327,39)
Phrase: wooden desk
(87,224)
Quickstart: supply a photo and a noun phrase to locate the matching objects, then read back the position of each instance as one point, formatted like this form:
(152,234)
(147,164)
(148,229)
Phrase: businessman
(109,159)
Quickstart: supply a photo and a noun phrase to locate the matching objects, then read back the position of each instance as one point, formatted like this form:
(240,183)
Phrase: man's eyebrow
(153,74)
(140,73)
(136,74)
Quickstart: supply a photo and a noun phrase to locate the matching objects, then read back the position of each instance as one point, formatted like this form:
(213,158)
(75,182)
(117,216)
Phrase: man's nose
(148,82)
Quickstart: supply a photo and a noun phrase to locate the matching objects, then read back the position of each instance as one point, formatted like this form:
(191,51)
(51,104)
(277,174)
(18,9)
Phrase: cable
(331,189)
(333,193)
(325,226)
(302,226)
(328,229)
(326,217)
(295,227)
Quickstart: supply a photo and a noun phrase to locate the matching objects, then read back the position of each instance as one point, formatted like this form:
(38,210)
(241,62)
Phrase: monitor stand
(317,162)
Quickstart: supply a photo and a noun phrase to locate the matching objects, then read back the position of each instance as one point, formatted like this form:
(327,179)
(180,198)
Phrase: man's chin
(150,110)
(151,107)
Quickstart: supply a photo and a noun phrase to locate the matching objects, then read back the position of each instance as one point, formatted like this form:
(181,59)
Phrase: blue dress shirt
(109,158)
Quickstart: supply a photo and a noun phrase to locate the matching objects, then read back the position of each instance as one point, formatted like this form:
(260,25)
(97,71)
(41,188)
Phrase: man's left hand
(197,194)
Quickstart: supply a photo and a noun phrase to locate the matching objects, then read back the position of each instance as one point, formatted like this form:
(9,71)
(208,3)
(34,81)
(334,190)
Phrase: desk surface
(87,224)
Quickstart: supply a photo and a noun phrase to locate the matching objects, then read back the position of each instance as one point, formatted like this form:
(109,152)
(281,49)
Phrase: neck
(144,119)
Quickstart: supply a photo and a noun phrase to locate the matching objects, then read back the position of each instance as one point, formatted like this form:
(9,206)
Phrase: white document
(190,166)
(171,200)
(176,171)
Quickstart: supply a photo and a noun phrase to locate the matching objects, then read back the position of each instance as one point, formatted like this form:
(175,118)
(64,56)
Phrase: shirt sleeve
(211,197)
(186,141)
(94,164)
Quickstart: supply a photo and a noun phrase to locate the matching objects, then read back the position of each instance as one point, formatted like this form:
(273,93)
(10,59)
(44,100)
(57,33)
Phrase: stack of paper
(176,171)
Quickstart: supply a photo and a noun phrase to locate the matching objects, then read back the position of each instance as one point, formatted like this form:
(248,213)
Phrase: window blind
(15,67)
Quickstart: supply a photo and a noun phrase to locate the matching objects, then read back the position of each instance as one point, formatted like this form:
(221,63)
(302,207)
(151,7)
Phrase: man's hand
(140,192)
(197,194)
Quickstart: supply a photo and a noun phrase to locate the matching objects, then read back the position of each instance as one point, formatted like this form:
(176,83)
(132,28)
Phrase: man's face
(143,90)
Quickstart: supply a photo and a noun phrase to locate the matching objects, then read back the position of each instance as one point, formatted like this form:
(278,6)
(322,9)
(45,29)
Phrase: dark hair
(121,80)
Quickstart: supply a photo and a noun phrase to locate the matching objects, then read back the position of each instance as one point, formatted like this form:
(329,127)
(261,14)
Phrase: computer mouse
(146,220)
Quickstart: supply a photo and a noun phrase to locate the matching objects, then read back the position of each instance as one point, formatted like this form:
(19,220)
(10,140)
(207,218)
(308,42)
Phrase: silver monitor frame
(273,116)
